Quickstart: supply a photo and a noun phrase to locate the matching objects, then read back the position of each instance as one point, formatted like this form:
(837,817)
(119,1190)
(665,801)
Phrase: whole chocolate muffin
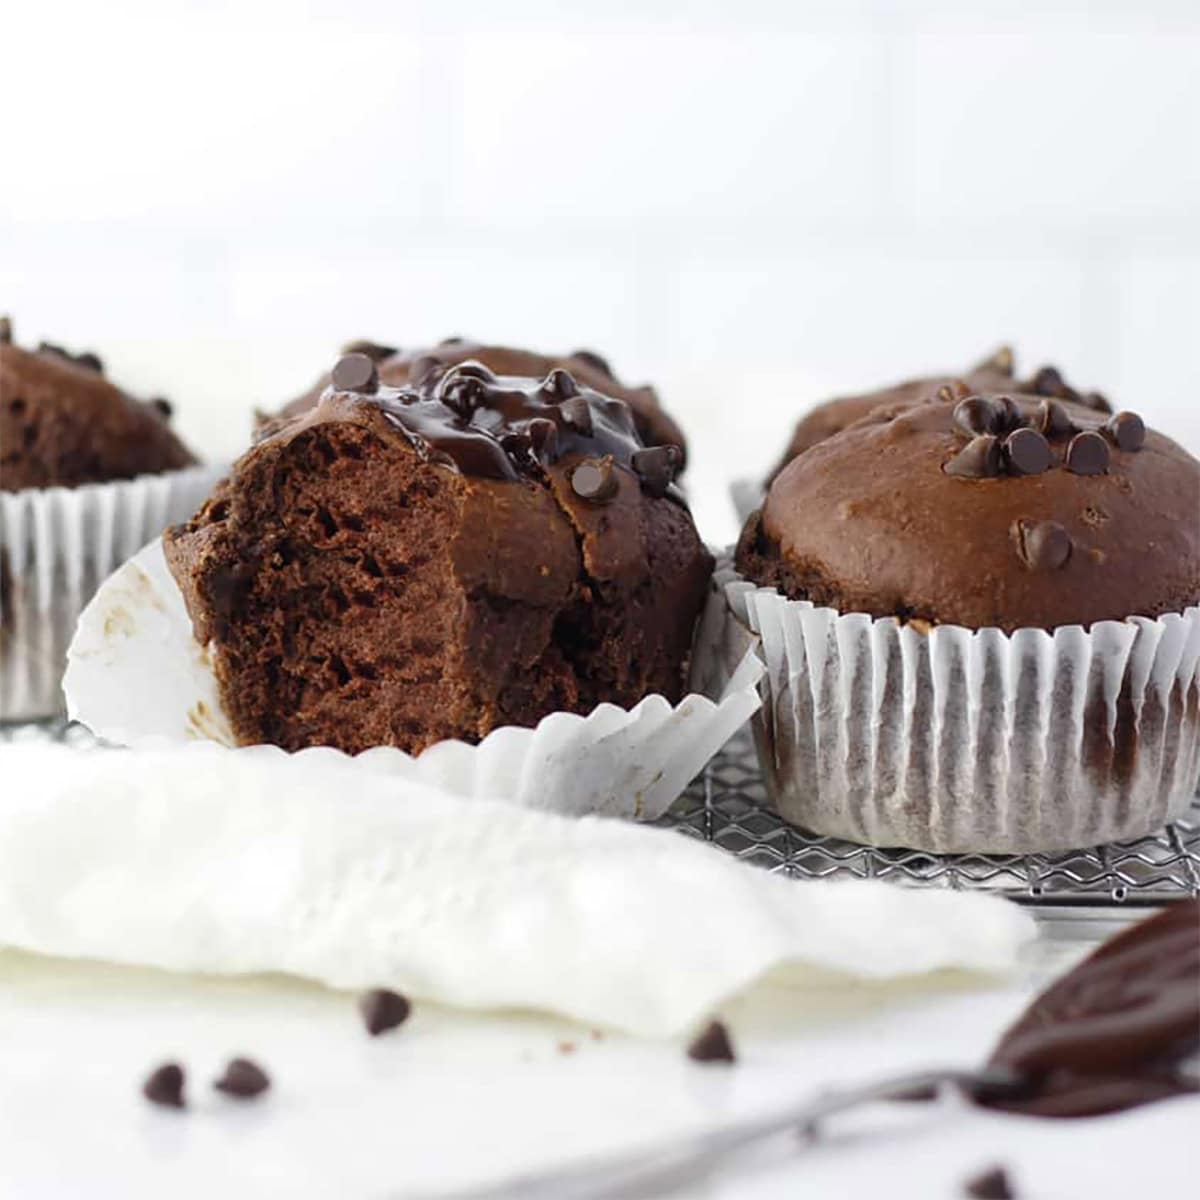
(993,374)
(980,620)
(62,423)
(398,368)
(397,566)
(990,511)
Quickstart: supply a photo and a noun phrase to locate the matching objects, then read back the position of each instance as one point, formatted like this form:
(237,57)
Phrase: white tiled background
(752,203)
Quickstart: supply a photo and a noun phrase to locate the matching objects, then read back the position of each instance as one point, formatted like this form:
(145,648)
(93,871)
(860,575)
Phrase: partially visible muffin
(397,368)
(398,566)
(996,373)
(63,424)
(1003,511)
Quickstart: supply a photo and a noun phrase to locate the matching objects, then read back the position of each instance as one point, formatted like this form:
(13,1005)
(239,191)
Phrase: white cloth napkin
(205,859)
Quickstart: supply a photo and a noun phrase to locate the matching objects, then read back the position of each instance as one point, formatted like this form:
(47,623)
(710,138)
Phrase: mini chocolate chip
(164,1085)
(657,467)
(1042,545)
(6,331)
(375,351)
(162,406)
(355,373)
(595,480)
(1087,454)
(1026,452)
(543,437)
(55,349)
(382,1010)
(980,458)
(1011,416)
(1127,430)
(1096,401)
(594,360)
(1048,381)
(462,393)
(992,1184)
(954,390)
(1001,361)
(559,385)
(577,413)
(471,369)
(975,415)
(712,1044)
(90,361)
(1051,418)
(243,1079)
(452,341)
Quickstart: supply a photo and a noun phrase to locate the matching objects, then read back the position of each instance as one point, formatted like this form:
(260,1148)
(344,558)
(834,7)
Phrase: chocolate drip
(497,427)
(1115,1032)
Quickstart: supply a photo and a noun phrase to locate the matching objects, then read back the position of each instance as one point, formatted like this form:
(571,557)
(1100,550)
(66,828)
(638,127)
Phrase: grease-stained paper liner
(56,546)
(957,740)
(136,676)
(203,859)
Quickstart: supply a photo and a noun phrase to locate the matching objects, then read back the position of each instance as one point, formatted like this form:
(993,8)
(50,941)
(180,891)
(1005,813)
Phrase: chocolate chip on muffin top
(995,509)
(399,368)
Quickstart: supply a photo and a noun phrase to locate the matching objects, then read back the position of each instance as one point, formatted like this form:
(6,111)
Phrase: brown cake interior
(357,594)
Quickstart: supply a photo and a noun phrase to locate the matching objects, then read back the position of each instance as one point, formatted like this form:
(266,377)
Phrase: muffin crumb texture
(400,566)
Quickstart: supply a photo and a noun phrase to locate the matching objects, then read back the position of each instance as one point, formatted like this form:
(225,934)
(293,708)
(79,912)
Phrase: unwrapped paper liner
(56,546)
(202,859)
(956,740)
(137,677)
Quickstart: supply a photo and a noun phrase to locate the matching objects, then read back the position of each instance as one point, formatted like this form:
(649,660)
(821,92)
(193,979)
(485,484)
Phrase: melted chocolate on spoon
(1115,1032)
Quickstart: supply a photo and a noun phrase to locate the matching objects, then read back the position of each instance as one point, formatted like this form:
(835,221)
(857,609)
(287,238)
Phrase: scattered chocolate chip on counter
(712,1044)
(243,1079)
(992,1184)
(382,1010)
(164,1086)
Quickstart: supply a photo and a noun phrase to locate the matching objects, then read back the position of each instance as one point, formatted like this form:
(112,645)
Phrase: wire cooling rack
(727,806)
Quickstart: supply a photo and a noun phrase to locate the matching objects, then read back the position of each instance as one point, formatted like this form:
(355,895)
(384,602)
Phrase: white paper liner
(59,544)
(956,740)
(137,677)
(203,859)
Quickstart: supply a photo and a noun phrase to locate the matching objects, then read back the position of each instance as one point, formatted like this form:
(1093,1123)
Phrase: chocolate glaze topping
(497,427)
(1114,1032)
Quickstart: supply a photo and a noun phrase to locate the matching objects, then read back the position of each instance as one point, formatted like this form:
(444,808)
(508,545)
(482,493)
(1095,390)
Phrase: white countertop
(456,1099)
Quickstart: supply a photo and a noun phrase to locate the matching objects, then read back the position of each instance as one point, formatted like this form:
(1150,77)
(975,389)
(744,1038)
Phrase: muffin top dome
(399,368)
(996,373)
(984,510)
(62,423)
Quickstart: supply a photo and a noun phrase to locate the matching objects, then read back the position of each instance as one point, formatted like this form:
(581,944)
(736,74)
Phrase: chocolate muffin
(62,423)
(993,374)
(997,511)
(398,368)
(980,619)
(397,566)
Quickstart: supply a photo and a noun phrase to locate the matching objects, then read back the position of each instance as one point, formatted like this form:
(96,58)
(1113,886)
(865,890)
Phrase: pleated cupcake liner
(136,676)
(951,740)
(56,547)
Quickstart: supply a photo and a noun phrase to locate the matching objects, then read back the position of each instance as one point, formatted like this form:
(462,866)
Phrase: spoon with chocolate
(1120,1030)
